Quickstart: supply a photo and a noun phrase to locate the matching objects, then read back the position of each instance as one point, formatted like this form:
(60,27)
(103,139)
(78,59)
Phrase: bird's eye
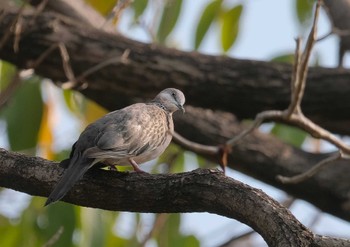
(173,94)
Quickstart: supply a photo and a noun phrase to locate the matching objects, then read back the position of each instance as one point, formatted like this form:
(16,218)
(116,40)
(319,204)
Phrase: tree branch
(244,87)
(197,191)
(264,157)
(248,84)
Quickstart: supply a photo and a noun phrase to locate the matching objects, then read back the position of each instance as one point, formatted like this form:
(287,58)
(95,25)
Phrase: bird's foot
(136,166)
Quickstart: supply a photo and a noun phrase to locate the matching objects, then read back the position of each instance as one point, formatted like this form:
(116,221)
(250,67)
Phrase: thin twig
(117,11)
(325,36)
(18,30)
(196,147)
(302,67)
(311,172)
(122,59)
(66,63)
(159,222)
(297,57)
(9,31)
(40,8)
(317,132)
(260,117)
(340,32)
(6,94)
(220,151)
(43,55)
(55,237)
(293,114)
(295,83)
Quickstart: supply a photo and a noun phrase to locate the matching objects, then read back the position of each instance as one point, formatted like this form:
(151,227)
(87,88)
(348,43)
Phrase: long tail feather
(73,173)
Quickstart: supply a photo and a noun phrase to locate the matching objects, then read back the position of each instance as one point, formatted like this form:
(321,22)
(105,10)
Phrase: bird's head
(171,99)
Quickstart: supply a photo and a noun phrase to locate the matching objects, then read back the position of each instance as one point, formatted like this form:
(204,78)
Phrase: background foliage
(32,123)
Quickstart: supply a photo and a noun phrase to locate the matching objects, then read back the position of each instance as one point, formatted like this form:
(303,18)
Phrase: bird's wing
(125,133)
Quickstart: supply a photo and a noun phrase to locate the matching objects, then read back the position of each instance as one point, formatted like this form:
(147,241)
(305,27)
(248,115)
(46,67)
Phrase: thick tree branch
(197,191)
(242,86)
(250,86)
(264,157)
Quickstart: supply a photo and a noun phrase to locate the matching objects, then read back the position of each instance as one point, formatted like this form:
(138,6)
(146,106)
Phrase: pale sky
(268,29)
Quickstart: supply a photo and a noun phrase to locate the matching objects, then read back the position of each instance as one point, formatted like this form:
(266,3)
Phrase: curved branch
(264,157)
(248,85)
(241,86)
(196,191)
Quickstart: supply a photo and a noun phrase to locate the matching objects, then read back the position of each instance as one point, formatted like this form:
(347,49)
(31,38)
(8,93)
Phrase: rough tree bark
(149,68)
(241,87)
(196,191)
(249,86)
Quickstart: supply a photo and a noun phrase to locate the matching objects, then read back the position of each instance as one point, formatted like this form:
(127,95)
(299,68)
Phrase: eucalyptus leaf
(284,58)
(168,20)
(139,7)
(169,233)
(288,134)
(61,215)
(7,71)
(104,7)
(210,12)
(304,10)
(230,27)
(93,227)
(23,116)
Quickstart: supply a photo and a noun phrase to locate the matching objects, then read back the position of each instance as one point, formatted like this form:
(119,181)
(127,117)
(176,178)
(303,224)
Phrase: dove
(129,136)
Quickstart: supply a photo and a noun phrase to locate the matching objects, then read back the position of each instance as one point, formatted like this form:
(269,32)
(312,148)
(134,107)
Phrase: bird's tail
(71,175)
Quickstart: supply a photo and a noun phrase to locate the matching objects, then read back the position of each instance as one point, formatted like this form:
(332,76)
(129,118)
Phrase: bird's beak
(181,107)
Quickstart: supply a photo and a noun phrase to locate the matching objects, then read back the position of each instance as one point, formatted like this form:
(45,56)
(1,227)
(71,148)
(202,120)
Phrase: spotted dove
(129,136)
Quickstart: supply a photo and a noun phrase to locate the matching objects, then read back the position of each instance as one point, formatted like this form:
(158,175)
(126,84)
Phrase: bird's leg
(135,165)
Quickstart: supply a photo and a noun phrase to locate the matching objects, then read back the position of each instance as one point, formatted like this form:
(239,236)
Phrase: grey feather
(132,135)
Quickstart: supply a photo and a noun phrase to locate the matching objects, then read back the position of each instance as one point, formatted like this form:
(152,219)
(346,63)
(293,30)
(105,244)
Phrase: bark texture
(243,87)
(133,70)
(236,86)
(196,191)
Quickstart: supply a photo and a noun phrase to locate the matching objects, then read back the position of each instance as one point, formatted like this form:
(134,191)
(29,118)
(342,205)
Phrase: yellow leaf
(104,7)
(45,133)
(93,111)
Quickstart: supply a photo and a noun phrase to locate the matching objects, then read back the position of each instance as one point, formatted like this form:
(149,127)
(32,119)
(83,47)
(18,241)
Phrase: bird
(128,136)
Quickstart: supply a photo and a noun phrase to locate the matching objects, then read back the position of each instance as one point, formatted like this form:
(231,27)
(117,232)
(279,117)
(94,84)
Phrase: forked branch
(293,115)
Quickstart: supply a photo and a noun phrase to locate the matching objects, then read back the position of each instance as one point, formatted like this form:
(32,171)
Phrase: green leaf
(68,99)
(230,27)
(10,233)
(288,134)
(168,20)
(178,164)
(210,12)
(104,7)
(97,228)
(139,7)
(93,228)
(304,10)
(170,235)
(190,241)
(204,163)
(284,58)
(7,71)
(61,215)
(23,115)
